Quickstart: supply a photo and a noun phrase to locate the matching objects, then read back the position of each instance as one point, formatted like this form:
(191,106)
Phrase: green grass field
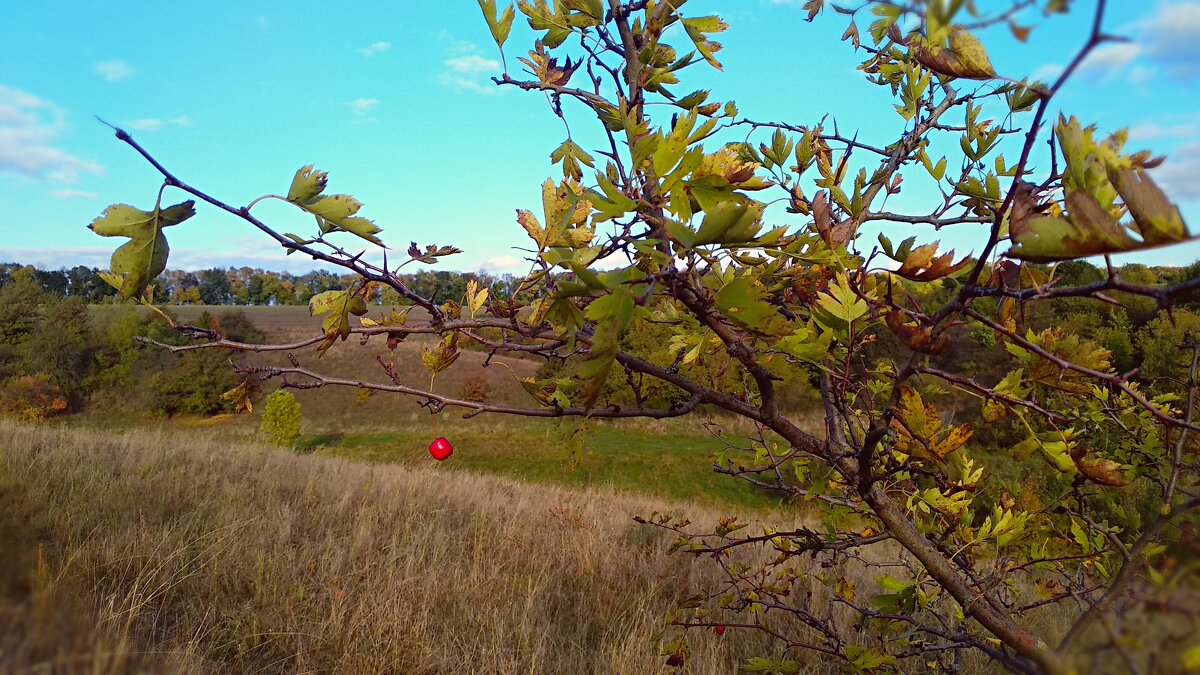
(670,458)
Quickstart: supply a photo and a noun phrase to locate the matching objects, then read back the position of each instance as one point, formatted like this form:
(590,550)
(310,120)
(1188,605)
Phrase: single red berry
(440,448)
(719,630)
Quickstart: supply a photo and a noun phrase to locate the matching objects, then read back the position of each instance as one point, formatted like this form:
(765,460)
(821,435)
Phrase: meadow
(186,545)
(666,458)
(156,551)
(131,542)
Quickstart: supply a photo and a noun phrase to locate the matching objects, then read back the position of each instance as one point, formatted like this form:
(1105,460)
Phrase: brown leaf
(1157,218)
(1025,205)
(957,437)
(836,235)
(921,265)
(1005,273)
(965,57)
(1103,471)
(918,338)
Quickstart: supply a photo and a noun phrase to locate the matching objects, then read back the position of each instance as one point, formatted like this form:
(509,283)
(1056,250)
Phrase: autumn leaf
(923,264)
(335,306)
(1103,471)
(440,355)
(963,57)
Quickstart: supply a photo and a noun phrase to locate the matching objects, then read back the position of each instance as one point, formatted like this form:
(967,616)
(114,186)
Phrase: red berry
(719,630)
(440,448)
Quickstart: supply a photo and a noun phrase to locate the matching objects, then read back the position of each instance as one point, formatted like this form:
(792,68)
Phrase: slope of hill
(153,551)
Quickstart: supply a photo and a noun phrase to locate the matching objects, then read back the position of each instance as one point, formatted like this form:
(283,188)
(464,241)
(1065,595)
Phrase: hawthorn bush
(1077,552)
(281,418)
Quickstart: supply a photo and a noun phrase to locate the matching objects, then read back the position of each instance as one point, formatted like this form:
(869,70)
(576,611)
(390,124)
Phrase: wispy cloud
(364,109)
(58,257)
(1167,40)
(1166,130)
(464,69)
(113,70)
(156,124)
(262,22)
(375,48)
(29,126)
(502,264)
(472,64)
(1108,61)
(1172,37)
(364,106)
(64,195)
(1047,73)
(1180,174)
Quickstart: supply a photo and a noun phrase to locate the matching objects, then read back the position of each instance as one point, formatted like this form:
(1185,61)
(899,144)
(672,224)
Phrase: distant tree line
(58,356)
(252,286)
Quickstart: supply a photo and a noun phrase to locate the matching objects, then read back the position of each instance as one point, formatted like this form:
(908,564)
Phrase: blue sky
(397,106)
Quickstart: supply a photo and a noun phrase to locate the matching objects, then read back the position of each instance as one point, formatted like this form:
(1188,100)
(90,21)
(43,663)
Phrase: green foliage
(281,418)
(1161,344)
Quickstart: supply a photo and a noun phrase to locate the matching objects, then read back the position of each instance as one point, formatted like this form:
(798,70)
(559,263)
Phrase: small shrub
(475,387)
(31,398)
(281,418)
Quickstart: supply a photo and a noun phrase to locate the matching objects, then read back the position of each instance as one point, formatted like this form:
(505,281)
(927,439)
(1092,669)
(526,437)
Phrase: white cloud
(464,69)
(1107,61)
(29,126)
(1151,130)
(262,22)
(1142,74)
(1172,37)
(472,64)
(1168,40)
(1180,174)
(505,263)
(1047,73)
(145,124)
(156,124)
(466,84)
(113,70)
(364,106)
(72,194)
(375,48)
(58,257)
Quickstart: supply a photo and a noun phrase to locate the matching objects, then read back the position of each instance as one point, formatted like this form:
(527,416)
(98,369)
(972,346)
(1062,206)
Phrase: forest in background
(57,356)
(252,286)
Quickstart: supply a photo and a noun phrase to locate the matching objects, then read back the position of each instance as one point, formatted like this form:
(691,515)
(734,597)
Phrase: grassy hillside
(156,552)
(670,458)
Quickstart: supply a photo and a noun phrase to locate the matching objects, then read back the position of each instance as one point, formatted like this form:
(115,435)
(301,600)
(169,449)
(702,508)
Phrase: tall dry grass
(145,551)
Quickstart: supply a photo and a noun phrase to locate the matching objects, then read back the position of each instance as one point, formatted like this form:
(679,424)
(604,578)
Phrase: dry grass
(149,552)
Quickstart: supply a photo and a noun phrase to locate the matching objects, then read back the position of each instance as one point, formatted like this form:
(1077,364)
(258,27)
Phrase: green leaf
(501,26)
(123,220)
(840,307)
(760,665)
(336,306)
(807,345)
(333,212)
(698,29)
(137,262)
(741,301)
(1191,658)
(307,184)
(671,149)
(612,314)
